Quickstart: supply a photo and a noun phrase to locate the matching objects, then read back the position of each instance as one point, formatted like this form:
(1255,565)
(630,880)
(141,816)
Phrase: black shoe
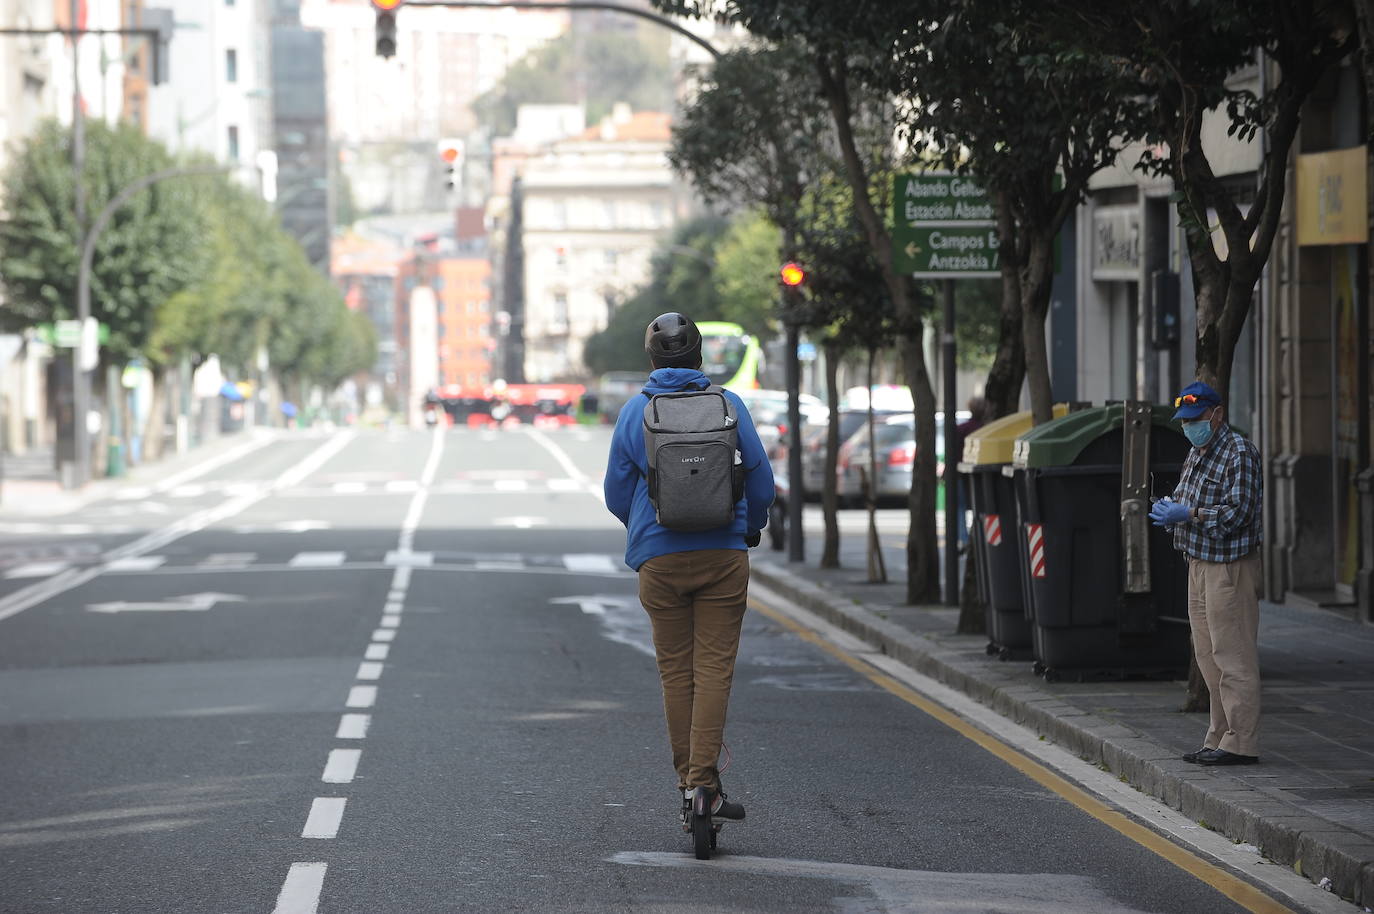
(1222,757)
(1197,754)
(725,808)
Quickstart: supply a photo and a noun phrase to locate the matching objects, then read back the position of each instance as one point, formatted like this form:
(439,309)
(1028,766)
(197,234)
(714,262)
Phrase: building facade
(595,206)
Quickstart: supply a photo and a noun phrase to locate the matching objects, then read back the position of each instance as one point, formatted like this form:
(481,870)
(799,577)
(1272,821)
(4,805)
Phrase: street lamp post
(84,355)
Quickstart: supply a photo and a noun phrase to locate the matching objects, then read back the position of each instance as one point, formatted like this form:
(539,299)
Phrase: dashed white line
(353,726)
(589,563)
(393,607)
(398,558)
(317,559)
(384,634)
(300,893)
(377,651)
(361,697)
(36,570)
(326,814)
(391,621)
(342,766)
(368,670)
(401,579)
(349,488)
(136,563)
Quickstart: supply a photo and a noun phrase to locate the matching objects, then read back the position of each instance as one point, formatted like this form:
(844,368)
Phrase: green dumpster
(1105,591)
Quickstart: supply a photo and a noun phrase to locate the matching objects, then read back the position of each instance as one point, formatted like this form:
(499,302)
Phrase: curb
(1312,846)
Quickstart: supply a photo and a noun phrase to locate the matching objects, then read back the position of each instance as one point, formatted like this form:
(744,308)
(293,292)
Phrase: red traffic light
(792,274)
(387,5)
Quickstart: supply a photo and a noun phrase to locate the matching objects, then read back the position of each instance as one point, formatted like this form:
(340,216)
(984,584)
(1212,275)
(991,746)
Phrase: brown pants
(1223,608)
(696,603)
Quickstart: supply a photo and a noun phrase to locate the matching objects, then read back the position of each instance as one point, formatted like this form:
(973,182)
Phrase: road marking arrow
(194,602)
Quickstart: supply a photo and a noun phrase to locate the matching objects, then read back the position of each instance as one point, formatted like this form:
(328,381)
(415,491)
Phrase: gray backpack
(691,441)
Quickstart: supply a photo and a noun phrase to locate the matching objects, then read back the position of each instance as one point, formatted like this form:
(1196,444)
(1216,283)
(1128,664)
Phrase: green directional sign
(943,227)
(949,251)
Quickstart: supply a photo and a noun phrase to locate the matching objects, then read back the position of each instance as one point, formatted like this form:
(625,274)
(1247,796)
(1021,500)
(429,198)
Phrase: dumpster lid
(1060,441)
(992,443)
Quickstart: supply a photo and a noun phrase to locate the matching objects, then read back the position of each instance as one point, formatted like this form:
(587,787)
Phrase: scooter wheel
(703,835)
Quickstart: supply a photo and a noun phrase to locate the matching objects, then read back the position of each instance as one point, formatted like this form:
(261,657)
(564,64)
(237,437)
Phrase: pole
(796,546)
(81,380)
(947,355)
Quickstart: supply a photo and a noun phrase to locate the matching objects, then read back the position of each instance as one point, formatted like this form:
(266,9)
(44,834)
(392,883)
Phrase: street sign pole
(952,507)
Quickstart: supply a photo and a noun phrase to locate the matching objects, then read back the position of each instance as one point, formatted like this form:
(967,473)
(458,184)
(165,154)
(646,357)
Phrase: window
(231,65)
(233,143)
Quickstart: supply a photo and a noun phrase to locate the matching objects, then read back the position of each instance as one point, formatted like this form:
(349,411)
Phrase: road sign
(943,227)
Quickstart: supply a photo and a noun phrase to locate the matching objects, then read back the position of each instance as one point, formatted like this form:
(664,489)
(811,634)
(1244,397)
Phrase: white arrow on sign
(194,602)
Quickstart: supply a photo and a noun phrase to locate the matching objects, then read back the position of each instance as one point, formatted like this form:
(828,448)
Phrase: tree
(594,68)
(1178,56)
(151,249)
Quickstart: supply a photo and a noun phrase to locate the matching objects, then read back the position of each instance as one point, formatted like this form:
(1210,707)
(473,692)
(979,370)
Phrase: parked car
(895,442)
(768,409)
(616,388)
(813,446)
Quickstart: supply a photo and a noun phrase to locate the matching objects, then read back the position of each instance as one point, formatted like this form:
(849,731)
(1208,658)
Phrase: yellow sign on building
(1333,197)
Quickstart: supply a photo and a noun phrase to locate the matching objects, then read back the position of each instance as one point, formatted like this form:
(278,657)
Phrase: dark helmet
(673,341)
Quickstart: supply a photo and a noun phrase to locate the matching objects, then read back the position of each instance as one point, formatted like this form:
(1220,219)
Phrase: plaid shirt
(1223,482)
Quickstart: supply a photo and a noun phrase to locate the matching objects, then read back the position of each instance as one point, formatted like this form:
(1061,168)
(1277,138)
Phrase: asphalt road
(405,671)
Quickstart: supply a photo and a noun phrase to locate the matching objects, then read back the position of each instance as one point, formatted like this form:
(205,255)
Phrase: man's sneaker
(725,808)
(687,809)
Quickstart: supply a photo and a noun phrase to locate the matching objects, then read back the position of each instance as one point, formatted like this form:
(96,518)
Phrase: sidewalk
(1309,804)
(29,486)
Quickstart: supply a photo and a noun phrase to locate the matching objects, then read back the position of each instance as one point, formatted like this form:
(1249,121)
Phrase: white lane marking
(241,488)
(511,485)
(398,558)
(190,491)
(326,814)
(498,566)
(76,529)
(342,766)
(384,634)
(520,523)
(349,488)
(191,602)
(392,607)
(369,670)
(353,726)
(213,463)
(398,486)
(391,621)
(401,579)
(37,593)
(133,493)
(37,570)
(394,596)
(221,560)
(361,697)
(377,651)
(300,526)
(914,891)
(136,563)
(317,559)
(300,893)
(575,562)
(570,468)
(564,485)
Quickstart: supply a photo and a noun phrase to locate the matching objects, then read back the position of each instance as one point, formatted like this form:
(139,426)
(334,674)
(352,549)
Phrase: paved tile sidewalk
(1309,804)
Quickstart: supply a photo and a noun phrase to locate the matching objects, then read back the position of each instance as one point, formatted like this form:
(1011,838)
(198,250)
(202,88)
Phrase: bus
(729,356)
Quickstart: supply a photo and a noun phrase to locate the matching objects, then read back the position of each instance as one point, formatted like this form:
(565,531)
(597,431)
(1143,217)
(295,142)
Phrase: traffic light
(386,26)
(451,152)
(792,274)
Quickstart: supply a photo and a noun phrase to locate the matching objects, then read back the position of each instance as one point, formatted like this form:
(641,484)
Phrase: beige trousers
(1223,609)
(696,603)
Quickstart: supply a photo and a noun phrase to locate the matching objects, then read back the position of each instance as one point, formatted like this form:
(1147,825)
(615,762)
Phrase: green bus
(729,356)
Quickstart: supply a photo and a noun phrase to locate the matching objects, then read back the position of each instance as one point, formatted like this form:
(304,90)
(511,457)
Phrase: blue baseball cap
(1195,400)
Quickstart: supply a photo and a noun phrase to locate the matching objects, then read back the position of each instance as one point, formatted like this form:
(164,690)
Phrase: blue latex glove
(1167,512)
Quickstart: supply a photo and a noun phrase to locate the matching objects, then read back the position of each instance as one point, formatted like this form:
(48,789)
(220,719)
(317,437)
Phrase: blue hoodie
(627,492)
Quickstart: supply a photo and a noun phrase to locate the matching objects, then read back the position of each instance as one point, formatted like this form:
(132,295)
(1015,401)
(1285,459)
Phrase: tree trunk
(1037,275)
(877,567)
(830,555)
(923,561)
(157,422)
(1002,390)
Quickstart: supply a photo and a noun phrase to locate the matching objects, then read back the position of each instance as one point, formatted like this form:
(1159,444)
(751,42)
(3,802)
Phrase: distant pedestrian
(693,583)
(1215,515)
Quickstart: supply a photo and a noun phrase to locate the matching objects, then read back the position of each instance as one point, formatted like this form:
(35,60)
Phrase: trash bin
(996,558)
(1104,589)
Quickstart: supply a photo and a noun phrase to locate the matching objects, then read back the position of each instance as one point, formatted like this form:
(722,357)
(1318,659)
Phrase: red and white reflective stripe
(1035,537)
(992,529)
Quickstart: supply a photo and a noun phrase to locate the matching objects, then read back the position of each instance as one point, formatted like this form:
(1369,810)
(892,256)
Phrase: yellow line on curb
(1234,888)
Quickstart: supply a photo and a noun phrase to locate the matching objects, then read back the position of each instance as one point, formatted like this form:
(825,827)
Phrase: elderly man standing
(1217,524)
